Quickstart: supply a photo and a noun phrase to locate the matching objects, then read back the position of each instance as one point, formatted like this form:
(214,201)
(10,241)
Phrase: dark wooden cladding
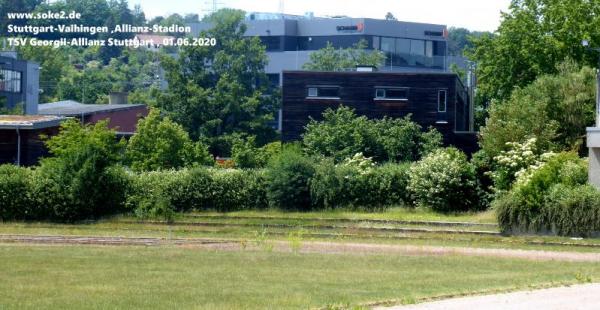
(357,90)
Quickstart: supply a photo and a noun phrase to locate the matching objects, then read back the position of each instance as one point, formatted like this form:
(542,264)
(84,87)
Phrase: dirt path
(562,298)
(307,247)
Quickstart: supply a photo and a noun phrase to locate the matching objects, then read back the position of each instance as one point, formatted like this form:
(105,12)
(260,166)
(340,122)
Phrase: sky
(481,15)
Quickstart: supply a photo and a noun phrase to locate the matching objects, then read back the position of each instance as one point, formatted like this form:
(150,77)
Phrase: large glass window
(417,47)
(376,45)
(429,48)
(388,45)
(10,81)
(403,46)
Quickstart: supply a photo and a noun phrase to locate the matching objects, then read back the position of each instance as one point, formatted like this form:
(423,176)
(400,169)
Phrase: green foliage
(342,134)
(358,183)
(81,181)
(159,143)
(247,155)
(522,208)
(533,37)
(514,161)
(554,109)
(215,92)
(15,192)
(158,194)
(461,40)
(288,180)
(573,211)
(446,182)
(330,59)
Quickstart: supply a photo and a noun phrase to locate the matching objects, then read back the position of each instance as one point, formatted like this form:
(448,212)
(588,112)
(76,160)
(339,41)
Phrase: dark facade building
(20,137)
(433,99)
(19,83)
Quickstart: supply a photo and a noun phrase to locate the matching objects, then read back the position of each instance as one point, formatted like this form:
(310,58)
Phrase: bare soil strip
(344,220)
(328,227)
(307,247)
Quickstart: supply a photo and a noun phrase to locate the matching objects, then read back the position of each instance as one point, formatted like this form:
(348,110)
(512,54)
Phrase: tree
(554,109)
(461,40)
(330,59)
(159,143)
(390,16)
(219,91)
(533,37)
(55,65)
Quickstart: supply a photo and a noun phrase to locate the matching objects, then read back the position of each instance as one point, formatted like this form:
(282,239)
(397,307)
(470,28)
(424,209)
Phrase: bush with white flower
(445,181)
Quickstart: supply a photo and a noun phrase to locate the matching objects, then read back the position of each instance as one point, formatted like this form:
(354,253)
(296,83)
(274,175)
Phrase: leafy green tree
(332,59)
(554,109)
(55,65)
(16,6)
(390,16)
(534,36)
(461,40)
(159,143)
(219,91)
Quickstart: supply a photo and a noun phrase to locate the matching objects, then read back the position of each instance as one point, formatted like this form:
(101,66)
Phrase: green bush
(15,193)
(446,182)
(572,211)
(522,209)
(80,181)
(247,155)
(287,180)
(161,193)
(160,143)
(342,134)
(350,185)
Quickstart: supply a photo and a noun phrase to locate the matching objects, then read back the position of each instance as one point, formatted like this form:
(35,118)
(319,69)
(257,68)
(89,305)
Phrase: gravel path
(307,247)
(562,298)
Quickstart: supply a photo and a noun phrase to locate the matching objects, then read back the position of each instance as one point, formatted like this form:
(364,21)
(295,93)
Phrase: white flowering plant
(445,181)
(517,162)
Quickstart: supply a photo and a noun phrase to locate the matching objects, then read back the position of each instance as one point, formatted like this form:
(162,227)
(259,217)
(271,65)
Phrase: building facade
(19,83)
(436,100)
(289,40)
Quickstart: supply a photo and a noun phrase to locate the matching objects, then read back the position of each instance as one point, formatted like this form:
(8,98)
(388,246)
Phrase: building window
(391,93)
(324,92)
(10,81)
(442,99)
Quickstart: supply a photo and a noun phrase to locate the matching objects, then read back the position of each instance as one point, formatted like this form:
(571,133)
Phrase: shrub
(510,163)
(161,193)
(572,211)
(159,143)
(247,155)
(358,183)
(342,134)
(445,181)
(15,193)
(288,180)
(522,208)
(80,180)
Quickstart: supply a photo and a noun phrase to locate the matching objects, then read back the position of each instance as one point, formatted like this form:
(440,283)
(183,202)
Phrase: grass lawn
(94,277)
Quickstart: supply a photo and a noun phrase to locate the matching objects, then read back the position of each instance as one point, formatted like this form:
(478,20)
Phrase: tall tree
(390,16)
(533,37)
(218,91)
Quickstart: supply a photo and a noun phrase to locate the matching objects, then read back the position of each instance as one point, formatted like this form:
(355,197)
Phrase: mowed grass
(95,277)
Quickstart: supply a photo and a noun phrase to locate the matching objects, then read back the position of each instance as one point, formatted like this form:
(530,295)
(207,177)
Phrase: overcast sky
(471,14)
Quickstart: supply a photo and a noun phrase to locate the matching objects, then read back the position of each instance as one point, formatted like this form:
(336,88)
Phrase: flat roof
(74,108)
(29,122)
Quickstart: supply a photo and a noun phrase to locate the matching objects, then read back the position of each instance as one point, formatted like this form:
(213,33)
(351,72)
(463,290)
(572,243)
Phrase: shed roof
(29,121)
(74,108)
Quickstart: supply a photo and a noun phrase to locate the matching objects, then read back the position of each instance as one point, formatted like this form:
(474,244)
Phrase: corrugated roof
(29,121)
(74,108)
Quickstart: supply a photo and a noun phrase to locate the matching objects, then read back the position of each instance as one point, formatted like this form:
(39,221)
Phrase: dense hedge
(159,193)
(350,186)
(551,199)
